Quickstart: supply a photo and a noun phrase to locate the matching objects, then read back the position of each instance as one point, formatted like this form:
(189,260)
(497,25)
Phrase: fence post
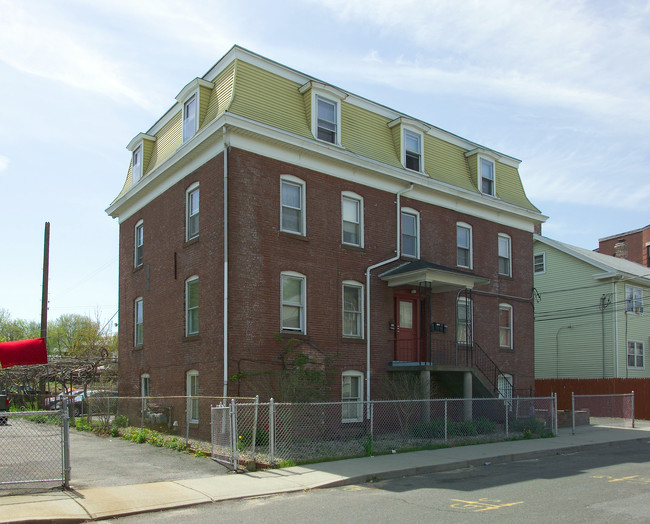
(257,401)
(65,419)
(555,423)
(573,413)
(272,430)
(234,434)
(507,419)
(188,411)
(371,405)
(632,408)
(445,420)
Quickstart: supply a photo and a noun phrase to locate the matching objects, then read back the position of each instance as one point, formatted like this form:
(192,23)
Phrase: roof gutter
(398,254)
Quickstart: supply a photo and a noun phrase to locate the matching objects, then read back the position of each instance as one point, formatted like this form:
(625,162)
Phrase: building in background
(275,228)
(632,245)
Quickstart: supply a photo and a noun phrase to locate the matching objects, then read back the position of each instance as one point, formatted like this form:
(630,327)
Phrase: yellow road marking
(482,504)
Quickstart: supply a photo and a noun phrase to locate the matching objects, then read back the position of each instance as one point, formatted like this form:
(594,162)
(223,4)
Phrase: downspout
(398,254)
(226,145)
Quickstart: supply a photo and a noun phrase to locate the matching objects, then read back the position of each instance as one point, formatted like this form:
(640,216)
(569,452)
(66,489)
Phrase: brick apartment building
(375,242)
(632,245)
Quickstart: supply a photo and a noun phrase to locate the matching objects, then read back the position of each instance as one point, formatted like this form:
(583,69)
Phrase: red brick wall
(259,252)
(636,246)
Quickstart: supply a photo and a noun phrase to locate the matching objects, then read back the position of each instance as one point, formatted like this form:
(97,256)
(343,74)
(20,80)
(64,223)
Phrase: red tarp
(23,353)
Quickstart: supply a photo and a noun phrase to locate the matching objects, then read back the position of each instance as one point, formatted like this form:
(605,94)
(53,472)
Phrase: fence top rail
(432,400)
(608,395)
(197,397)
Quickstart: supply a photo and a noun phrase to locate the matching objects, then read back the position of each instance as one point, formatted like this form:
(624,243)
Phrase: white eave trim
(137,140)
(191,87)
(323,88)
(410,122)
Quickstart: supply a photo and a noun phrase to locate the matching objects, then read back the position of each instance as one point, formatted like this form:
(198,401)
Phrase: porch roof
(441,278)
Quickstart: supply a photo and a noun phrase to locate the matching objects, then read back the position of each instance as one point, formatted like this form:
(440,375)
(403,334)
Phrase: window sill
(293,334)
(191,338)
(506,350)
(138,348)
(137,268)
(191,241)
(296,236)
(353,339)
(353,247)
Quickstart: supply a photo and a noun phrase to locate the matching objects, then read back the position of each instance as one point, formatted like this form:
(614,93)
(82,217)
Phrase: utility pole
(46,271)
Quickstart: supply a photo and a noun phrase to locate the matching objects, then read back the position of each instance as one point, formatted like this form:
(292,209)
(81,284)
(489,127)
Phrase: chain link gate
(225,441)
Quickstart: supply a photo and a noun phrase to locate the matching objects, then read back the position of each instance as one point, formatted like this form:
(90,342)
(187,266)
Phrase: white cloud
(4,163)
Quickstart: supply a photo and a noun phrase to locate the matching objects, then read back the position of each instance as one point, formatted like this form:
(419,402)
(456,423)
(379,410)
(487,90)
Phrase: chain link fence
(33,448)
(607,410)
(271,433)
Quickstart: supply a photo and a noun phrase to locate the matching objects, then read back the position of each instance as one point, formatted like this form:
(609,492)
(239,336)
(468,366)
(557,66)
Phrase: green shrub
(246,438)
(434,429)
(484,426)
(462,429)
(121,421)
(529,426)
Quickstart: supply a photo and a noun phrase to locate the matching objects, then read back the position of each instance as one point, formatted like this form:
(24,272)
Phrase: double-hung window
(505,326)
(292,218)
(326,126)
(352,396)
(138,321)
(136,165)
(139,244)
(539,263)
(192,212)
(352,213)
(486,175)
(464,321)
(464,245)
(410,230)
(293,302)
(192,393)
(412,150)
(634,354)
(189,118)
(352,309)
(633,299)
(192,306)
(505,258)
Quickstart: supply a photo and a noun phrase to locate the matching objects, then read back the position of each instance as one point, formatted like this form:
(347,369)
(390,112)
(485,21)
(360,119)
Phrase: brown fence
(598,386)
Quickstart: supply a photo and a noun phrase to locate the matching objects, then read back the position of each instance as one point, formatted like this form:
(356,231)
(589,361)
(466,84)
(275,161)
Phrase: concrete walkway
(113,501)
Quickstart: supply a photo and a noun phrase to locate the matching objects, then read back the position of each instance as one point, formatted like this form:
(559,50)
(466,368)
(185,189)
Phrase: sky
(564,86)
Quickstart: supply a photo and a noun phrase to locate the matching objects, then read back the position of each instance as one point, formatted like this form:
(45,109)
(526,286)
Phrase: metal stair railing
(488,368)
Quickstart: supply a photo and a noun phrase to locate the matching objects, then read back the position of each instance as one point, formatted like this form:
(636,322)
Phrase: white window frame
(504,237)
(194,189)
(351,284)
(136,165)
(469,248)
(633,300)
(145,385)
(190,122)
(337,115)
(405,152)
(638,349)
(192,392)
(302,224)
(468,327)
(302,305)
(329,94)
(481,177)
(509,328)
(357,399)
(416,215)
(191,310)
(138,249)
(358,200)
(138,322)
(542,263)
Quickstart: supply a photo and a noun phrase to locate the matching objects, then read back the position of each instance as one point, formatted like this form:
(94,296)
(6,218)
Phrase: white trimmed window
(505,326)
(633,299)
(635,354)
(192,306)
(192,392)
(145,385)
(413,150)
(352,396)
(136,165)
(327,120)
(189,118)
(486,176)
(293,300)
(139,244)
(410,233)
(352,309)
(352,218)
(138,321)
(464,245)
(192,212)
(464,321)
(539,263)
(292,219)
(505,258)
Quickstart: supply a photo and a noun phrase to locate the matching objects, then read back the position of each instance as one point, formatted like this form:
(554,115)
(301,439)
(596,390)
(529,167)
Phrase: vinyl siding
(447,163)
(367,134)
(168,140)
(509,186)
(204,100)
(633,327)
(221,95)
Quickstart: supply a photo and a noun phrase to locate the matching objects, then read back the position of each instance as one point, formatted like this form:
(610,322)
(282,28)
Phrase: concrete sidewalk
(103,502)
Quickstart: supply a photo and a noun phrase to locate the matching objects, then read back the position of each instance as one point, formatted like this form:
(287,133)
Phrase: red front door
(407,329)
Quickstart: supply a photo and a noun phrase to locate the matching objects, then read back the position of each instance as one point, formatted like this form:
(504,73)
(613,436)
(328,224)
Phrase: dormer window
(327,121)
(189,119)
(412,150)
(486,173)
(136,165)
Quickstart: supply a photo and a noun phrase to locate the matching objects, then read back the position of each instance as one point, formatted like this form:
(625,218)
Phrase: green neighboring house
(590,320)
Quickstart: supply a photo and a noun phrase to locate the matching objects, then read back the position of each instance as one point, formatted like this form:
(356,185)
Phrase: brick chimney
(620,249)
